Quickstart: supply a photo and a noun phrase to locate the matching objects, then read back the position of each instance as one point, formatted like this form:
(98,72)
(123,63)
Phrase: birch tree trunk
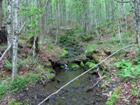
(15,38)
(12,28)
(137,19)
(1,13)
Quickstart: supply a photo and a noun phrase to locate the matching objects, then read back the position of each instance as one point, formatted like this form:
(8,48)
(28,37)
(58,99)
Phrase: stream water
(75,94)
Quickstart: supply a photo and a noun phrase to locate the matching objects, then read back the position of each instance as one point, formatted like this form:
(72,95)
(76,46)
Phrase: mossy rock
(90,64)
(74,66)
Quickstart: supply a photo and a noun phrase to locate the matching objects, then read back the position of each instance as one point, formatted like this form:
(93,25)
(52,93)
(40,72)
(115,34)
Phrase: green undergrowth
(14,102)
(128,69)
(22,62)
(113,98)
(90,48)
(19,83)
(74,66)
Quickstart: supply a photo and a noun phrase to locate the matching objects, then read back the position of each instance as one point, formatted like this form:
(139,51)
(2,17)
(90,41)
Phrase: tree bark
(137,19)
(1,13)
(12,28)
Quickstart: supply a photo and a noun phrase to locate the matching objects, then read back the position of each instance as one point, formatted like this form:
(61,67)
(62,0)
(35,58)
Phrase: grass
(19,83)
(113,98)
(14,102)
(127,69)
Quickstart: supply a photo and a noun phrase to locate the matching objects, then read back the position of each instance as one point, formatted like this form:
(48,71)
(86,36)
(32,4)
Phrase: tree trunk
(137,19)
(14,56)
(1,13)
(12,28)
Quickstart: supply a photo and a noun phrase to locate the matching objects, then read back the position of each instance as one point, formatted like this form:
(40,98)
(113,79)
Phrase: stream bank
(74,94)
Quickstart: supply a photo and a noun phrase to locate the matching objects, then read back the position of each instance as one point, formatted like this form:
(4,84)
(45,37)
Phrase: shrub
(127,70)
(8,64)
(3,88)
(19,83)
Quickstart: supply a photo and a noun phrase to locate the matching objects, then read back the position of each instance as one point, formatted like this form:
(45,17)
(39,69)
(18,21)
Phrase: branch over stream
(54,93)
(8,48)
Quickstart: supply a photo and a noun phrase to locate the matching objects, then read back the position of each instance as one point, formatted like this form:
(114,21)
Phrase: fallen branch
(84,73)
(5,52)
(100,79)
(21,28)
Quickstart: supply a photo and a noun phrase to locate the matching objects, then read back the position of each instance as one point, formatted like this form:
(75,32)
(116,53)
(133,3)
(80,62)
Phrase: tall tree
(13,29)
(137,19)
(1,13)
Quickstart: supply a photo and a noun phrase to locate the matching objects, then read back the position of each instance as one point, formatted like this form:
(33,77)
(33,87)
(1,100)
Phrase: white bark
(12,28)
(1,13)
(14,56)
(15,38)
(34,46)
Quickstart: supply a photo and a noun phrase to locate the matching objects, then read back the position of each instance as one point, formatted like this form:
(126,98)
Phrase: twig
(5,52)
(90,88)
(83,73)
(21,28)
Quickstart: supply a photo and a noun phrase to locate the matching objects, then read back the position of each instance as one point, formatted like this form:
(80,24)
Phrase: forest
(69,52)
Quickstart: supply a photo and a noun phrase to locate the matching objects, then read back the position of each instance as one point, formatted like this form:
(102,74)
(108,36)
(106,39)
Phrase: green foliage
(73,66)
(135,91)
(87,37)
(8,64)
(14,102)
(3,89)
(113,98)
(19,83)
(90,64)
(72,37)
(127,70)
(27,61)
(50,75)
(64,53)
(123,64)
(34,14)
(21,62)
(69,40)
(90,48)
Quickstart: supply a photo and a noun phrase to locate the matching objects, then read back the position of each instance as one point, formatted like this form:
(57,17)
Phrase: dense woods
(69,52)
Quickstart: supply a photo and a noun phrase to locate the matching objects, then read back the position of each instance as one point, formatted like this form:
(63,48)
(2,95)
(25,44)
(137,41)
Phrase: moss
(74,66)
(90,64)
